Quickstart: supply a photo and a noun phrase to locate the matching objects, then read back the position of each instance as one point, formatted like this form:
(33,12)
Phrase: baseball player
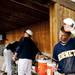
(26,52)
(64,50)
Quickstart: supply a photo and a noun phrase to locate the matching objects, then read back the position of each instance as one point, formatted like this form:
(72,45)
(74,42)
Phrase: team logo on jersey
(66,54)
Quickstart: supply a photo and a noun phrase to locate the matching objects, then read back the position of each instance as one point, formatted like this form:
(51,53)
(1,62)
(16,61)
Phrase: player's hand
(14,58)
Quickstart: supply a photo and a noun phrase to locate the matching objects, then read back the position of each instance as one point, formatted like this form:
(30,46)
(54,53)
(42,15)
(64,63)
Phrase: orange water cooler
(42,67)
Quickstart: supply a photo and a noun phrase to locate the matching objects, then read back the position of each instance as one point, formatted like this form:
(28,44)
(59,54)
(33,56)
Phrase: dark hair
(62,29)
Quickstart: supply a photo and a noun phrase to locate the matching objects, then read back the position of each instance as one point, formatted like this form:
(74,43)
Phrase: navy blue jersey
(65,56)
(12,46)
(27,49)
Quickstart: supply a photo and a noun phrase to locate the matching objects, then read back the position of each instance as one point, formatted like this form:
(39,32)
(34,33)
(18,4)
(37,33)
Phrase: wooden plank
(54,25)
(66,3)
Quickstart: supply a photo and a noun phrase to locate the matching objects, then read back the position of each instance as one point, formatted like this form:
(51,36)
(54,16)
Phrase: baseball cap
(68,21)
(28,31)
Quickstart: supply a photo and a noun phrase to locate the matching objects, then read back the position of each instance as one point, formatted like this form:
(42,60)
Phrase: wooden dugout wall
(40,35)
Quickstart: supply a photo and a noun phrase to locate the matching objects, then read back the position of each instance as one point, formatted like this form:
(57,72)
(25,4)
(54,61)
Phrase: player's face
(63,36)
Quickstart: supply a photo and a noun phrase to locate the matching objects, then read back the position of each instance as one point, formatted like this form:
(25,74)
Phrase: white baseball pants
(24,67)
(7,61)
